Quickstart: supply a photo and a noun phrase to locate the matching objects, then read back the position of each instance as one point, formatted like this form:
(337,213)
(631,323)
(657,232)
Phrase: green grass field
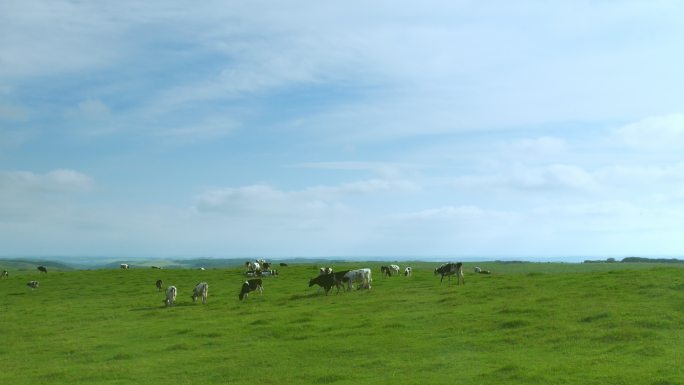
(528,323)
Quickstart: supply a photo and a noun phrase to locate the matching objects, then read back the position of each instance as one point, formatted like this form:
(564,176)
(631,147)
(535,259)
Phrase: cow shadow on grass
(162,307)
(311,295)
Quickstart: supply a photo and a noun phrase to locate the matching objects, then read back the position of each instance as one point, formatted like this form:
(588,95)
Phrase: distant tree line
(637,259)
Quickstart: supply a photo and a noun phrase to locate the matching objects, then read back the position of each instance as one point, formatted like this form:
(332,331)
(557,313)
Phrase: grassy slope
(524,324)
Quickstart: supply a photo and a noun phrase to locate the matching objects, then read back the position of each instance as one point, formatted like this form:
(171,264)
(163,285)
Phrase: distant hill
(32,264)
(637,260)
(652,260)
(86,263)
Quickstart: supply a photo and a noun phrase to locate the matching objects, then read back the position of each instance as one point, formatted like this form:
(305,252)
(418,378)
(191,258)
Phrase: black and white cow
(200,291)
(395,269)
(325,270)
(449,269)
(326,281)
(249,286)
(360,275)
(159,284)
(170,299)
(42,269)
(33,284)
(408,271)
(385,271)
(156,267)
(5,274)
(124,266)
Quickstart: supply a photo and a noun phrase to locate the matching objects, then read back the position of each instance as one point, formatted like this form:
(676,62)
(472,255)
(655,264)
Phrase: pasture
(529,323)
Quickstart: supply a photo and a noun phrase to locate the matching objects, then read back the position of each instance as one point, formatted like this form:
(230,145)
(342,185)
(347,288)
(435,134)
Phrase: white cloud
(316,201)
(60,180)
(454,213)
(645,177)
(28,198)
(261,200)
(664,132)
(551,178)
(90,110)
(386,170)
(13,112)
(556,176)
(207,129)
(541,148)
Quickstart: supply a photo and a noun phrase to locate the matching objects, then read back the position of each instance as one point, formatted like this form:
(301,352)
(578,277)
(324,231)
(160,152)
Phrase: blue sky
(452,129)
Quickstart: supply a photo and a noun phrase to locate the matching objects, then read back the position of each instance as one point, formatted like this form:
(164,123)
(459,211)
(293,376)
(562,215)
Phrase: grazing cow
(395,269)
(201,269)
(248,266)
(385,271)
(283,264)
(124,266)
(408,271)
(266,266)
(359,275)
(200,291)
(42,269)
(326,281)
(156,267)
(325,270)
(159,284)
(5,274)
(251,285)
(450,269)
(170,296)
(33,284)
(477,269)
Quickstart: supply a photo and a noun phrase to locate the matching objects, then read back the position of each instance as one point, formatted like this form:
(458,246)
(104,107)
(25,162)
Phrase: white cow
(124,266)
(408,271)
(201,291)
(170,296)
(395,269)
(359,275)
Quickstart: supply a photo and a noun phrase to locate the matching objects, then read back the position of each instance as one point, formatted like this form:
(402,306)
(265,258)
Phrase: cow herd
(326,279)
